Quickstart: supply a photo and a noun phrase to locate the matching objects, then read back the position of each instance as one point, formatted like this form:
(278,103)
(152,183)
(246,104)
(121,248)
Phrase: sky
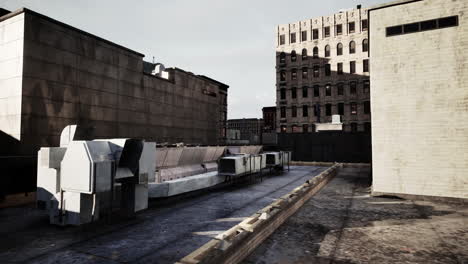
(230,41)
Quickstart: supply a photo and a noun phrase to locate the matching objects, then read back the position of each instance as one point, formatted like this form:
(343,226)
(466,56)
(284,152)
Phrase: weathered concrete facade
(306,94)
(53,75)
(419,98)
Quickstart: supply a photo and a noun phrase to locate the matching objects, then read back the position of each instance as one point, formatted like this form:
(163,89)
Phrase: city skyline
(200,40)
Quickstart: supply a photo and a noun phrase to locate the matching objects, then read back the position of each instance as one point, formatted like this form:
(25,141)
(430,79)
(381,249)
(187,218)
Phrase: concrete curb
(238,242)
(329,164)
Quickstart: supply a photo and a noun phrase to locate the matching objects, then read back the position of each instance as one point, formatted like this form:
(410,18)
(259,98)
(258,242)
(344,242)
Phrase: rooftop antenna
(153,60)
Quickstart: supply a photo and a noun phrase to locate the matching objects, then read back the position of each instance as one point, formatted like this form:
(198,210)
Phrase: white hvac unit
(241,164)
(79,183)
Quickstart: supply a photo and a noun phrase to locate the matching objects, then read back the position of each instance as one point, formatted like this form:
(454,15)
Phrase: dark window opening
(305,73)
(293,56)
(352,27)
(283,112)
(316,70)
(294,111)
(339,49)
(411,28)
(366,107)
(339,29)
(365,65)
(316,52)
(293,37)
(327,51)
(316,91)
(352,67)
(352,88)
(328,90)
(340,68)
(340,88)
(327,70)
(326,32)
(367,127)
(365,25)
(328,109)
(315,34)
(293,93)
(353,127)
(283,94)
(448,22)
(305,92)
(293,74)
(304,36)
(341,108)
(428,25)
(395,30)
(305,128)
(353,108)
(352,47)
(305,111)
(282,57)
(304,54)
(282,39)
(365,45)
(366,87)
(282,76)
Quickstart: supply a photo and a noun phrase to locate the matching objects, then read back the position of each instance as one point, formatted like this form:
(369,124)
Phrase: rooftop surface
(166,232)
(344,224)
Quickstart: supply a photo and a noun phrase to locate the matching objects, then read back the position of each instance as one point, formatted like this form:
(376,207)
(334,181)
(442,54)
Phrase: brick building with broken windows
(322,69)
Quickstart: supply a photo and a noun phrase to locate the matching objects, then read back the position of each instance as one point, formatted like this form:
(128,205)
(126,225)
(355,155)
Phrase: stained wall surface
(419,99)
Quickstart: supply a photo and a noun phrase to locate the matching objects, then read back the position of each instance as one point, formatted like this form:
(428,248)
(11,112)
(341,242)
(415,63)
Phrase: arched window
(293,74)
(283,76)
(304,54)
(327,51)
(365,45)
(293,55)
(316,52)
(352,47)
(282,57)
(339,49)
(305,73)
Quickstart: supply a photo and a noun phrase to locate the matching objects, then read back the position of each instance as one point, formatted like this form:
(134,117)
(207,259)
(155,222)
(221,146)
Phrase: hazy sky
(230,41)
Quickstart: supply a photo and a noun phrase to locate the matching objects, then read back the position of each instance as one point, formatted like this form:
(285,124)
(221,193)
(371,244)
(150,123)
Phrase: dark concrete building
(53,75)
(269,119)
(250,128)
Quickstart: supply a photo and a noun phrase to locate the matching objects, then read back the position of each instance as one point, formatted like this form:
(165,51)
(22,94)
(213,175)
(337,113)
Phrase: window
(317,110)
(293,37)
(315,34)
(395,30)
(351,27)
(353,108)
(293,74)
(282,40)
(367,127)
(293,56)
(365,45)
(316,52)
(283,76)
(339,29)
(304,35)
(352,47)
(282,57)
(304,54)
(295,129)
(294,111)
(448,22)
(366,87)
(283,93)
(339,49)
(316,70)
(305,73)
(428,25)
(328,109)
(366,107)
(340,89)
(316,91)
(305,128)
(328,90)
(422,26)
(326,31)
(305,92)
(340,68)
(327,51)
(365,65)
(327,69)
(305,111)
(293,93)
(283,112)
(352,88)
(341,108)
(365,24)
(353,127)
(352,67)
(411,28)
(283,129)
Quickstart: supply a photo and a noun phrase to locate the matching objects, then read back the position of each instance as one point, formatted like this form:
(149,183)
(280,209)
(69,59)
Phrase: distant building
(322,69)
(59,75)
(269,119)
(419,80)
(250,128)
